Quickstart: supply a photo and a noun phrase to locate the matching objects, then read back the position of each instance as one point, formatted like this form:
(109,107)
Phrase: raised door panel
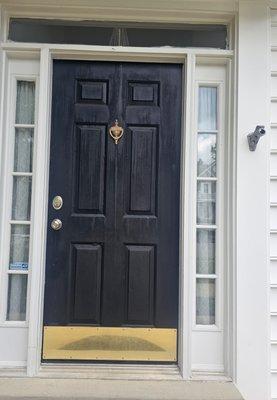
(143,93)
(86,283)
(141,278)
(142,170)
(90,169)
(92,91)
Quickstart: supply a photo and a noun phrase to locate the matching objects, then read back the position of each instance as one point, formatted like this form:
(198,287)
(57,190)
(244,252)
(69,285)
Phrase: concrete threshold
(73,389)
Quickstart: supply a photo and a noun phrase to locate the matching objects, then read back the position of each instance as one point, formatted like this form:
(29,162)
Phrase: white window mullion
(22,174)
(24,126)
(17,222)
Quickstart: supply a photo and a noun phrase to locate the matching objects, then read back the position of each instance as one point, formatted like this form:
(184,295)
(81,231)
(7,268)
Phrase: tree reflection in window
(206,162)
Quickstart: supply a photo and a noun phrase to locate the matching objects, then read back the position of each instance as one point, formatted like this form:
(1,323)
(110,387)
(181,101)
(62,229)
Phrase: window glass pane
(206,202)
(206,160)
(205,301)
(23,150)
(17,293)
(189,36)
(117,33)
(60,31)
(207,108)
(21,205)
(25,102)
(205,251)
(19,247)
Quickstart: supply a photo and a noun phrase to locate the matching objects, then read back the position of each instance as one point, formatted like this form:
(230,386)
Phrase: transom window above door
(117,33)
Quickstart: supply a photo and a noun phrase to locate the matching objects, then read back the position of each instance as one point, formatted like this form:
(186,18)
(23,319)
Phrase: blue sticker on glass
(19,266)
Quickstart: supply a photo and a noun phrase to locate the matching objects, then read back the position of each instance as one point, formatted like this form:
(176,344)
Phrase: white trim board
(221,58)
(228,5)
(152,10)
(252,199)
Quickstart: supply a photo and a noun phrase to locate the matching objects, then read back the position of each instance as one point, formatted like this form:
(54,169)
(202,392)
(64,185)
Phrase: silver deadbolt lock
(56,224)
(57,202)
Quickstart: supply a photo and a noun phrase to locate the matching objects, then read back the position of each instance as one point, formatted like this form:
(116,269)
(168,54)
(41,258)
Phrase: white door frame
(40,203)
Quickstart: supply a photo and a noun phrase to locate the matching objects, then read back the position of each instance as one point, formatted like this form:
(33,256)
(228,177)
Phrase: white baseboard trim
(13,372)
(12,364)
(113,371)
(201,376)
(216,368)
(209,372)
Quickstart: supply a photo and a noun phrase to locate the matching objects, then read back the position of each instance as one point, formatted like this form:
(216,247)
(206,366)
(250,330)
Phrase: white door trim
(252,199)
(47,53)
(40,202)
(41,162)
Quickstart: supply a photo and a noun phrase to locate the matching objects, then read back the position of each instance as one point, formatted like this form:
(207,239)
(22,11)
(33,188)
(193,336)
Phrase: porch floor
(73,389)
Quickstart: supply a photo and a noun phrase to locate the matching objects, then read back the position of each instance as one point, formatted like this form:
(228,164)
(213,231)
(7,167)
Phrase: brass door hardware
(57,202)
(116,131)
(109,343)
(56,224)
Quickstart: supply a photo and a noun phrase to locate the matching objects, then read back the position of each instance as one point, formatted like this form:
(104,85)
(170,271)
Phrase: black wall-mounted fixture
(255,136)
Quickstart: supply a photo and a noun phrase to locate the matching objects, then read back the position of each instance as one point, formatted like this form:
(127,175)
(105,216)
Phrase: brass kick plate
(109,344)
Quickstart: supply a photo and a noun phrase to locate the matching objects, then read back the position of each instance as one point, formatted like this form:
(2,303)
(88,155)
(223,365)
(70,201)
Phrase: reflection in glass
(99,33)
(25,102)
(205,248)
(206,160)
(207,108)
(206,202)
(23,150)
(19,247)
(21,204)
(17,292)
(205,301)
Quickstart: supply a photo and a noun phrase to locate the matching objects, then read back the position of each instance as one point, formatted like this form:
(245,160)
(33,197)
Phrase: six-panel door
(111,290)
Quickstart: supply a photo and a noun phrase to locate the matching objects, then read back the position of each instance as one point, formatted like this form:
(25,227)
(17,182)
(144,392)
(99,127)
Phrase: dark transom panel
(117,33)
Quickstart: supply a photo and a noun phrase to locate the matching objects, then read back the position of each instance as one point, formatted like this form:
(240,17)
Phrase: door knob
(56,224)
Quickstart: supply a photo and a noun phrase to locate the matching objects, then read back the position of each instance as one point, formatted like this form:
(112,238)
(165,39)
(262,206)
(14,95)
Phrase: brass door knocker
(116,131)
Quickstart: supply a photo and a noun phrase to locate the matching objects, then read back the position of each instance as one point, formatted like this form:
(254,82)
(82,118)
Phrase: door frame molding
(47,53)
(187,57)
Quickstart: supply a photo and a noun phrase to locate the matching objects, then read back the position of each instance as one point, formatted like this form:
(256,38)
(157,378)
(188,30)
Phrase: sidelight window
(206,218)
(21,193)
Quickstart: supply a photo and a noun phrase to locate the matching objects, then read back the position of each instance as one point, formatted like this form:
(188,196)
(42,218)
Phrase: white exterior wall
(273,204)
(252,196)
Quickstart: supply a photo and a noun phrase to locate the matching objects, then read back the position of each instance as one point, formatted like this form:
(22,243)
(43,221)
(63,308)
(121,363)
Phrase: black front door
(111,290)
